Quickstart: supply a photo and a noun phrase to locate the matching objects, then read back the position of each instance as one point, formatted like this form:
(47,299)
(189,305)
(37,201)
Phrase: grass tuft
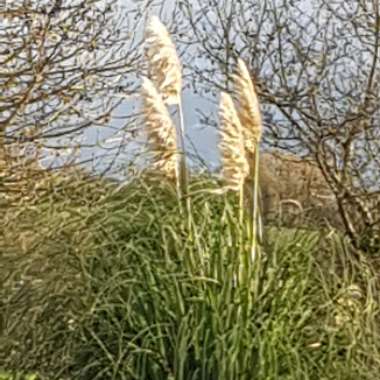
(123,287)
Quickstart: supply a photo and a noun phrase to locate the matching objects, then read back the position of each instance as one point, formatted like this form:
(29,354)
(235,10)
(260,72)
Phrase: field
(100,281)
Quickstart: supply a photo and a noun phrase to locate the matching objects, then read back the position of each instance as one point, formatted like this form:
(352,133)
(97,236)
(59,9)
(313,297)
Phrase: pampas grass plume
(235,164)
(248,107)
(160,129)
(165,67)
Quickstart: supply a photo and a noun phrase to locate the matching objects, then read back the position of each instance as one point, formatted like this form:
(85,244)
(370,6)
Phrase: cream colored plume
(248,106)
(160,130)
(235,164)
(164,65)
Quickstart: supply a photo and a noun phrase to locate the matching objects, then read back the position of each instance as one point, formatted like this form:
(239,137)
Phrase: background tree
(316,66)
(66,66)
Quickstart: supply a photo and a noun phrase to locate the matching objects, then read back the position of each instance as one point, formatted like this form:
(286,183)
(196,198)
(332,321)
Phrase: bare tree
(65,66)
(316,66)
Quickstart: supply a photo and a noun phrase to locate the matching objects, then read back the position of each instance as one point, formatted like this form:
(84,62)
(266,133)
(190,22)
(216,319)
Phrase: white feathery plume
(160,130)
(235,164)
(164,64)
(248,107)
(249,114)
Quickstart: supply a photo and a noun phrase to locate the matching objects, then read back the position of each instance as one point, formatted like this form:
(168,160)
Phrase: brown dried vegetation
(294,190)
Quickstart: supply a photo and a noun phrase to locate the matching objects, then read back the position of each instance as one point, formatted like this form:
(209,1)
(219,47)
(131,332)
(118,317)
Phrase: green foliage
(17,376)
(128,286)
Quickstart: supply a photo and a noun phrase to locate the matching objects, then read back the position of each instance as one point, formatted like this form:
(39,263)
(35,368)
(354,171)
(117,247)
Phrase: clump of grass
(167,304)
(157,298)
